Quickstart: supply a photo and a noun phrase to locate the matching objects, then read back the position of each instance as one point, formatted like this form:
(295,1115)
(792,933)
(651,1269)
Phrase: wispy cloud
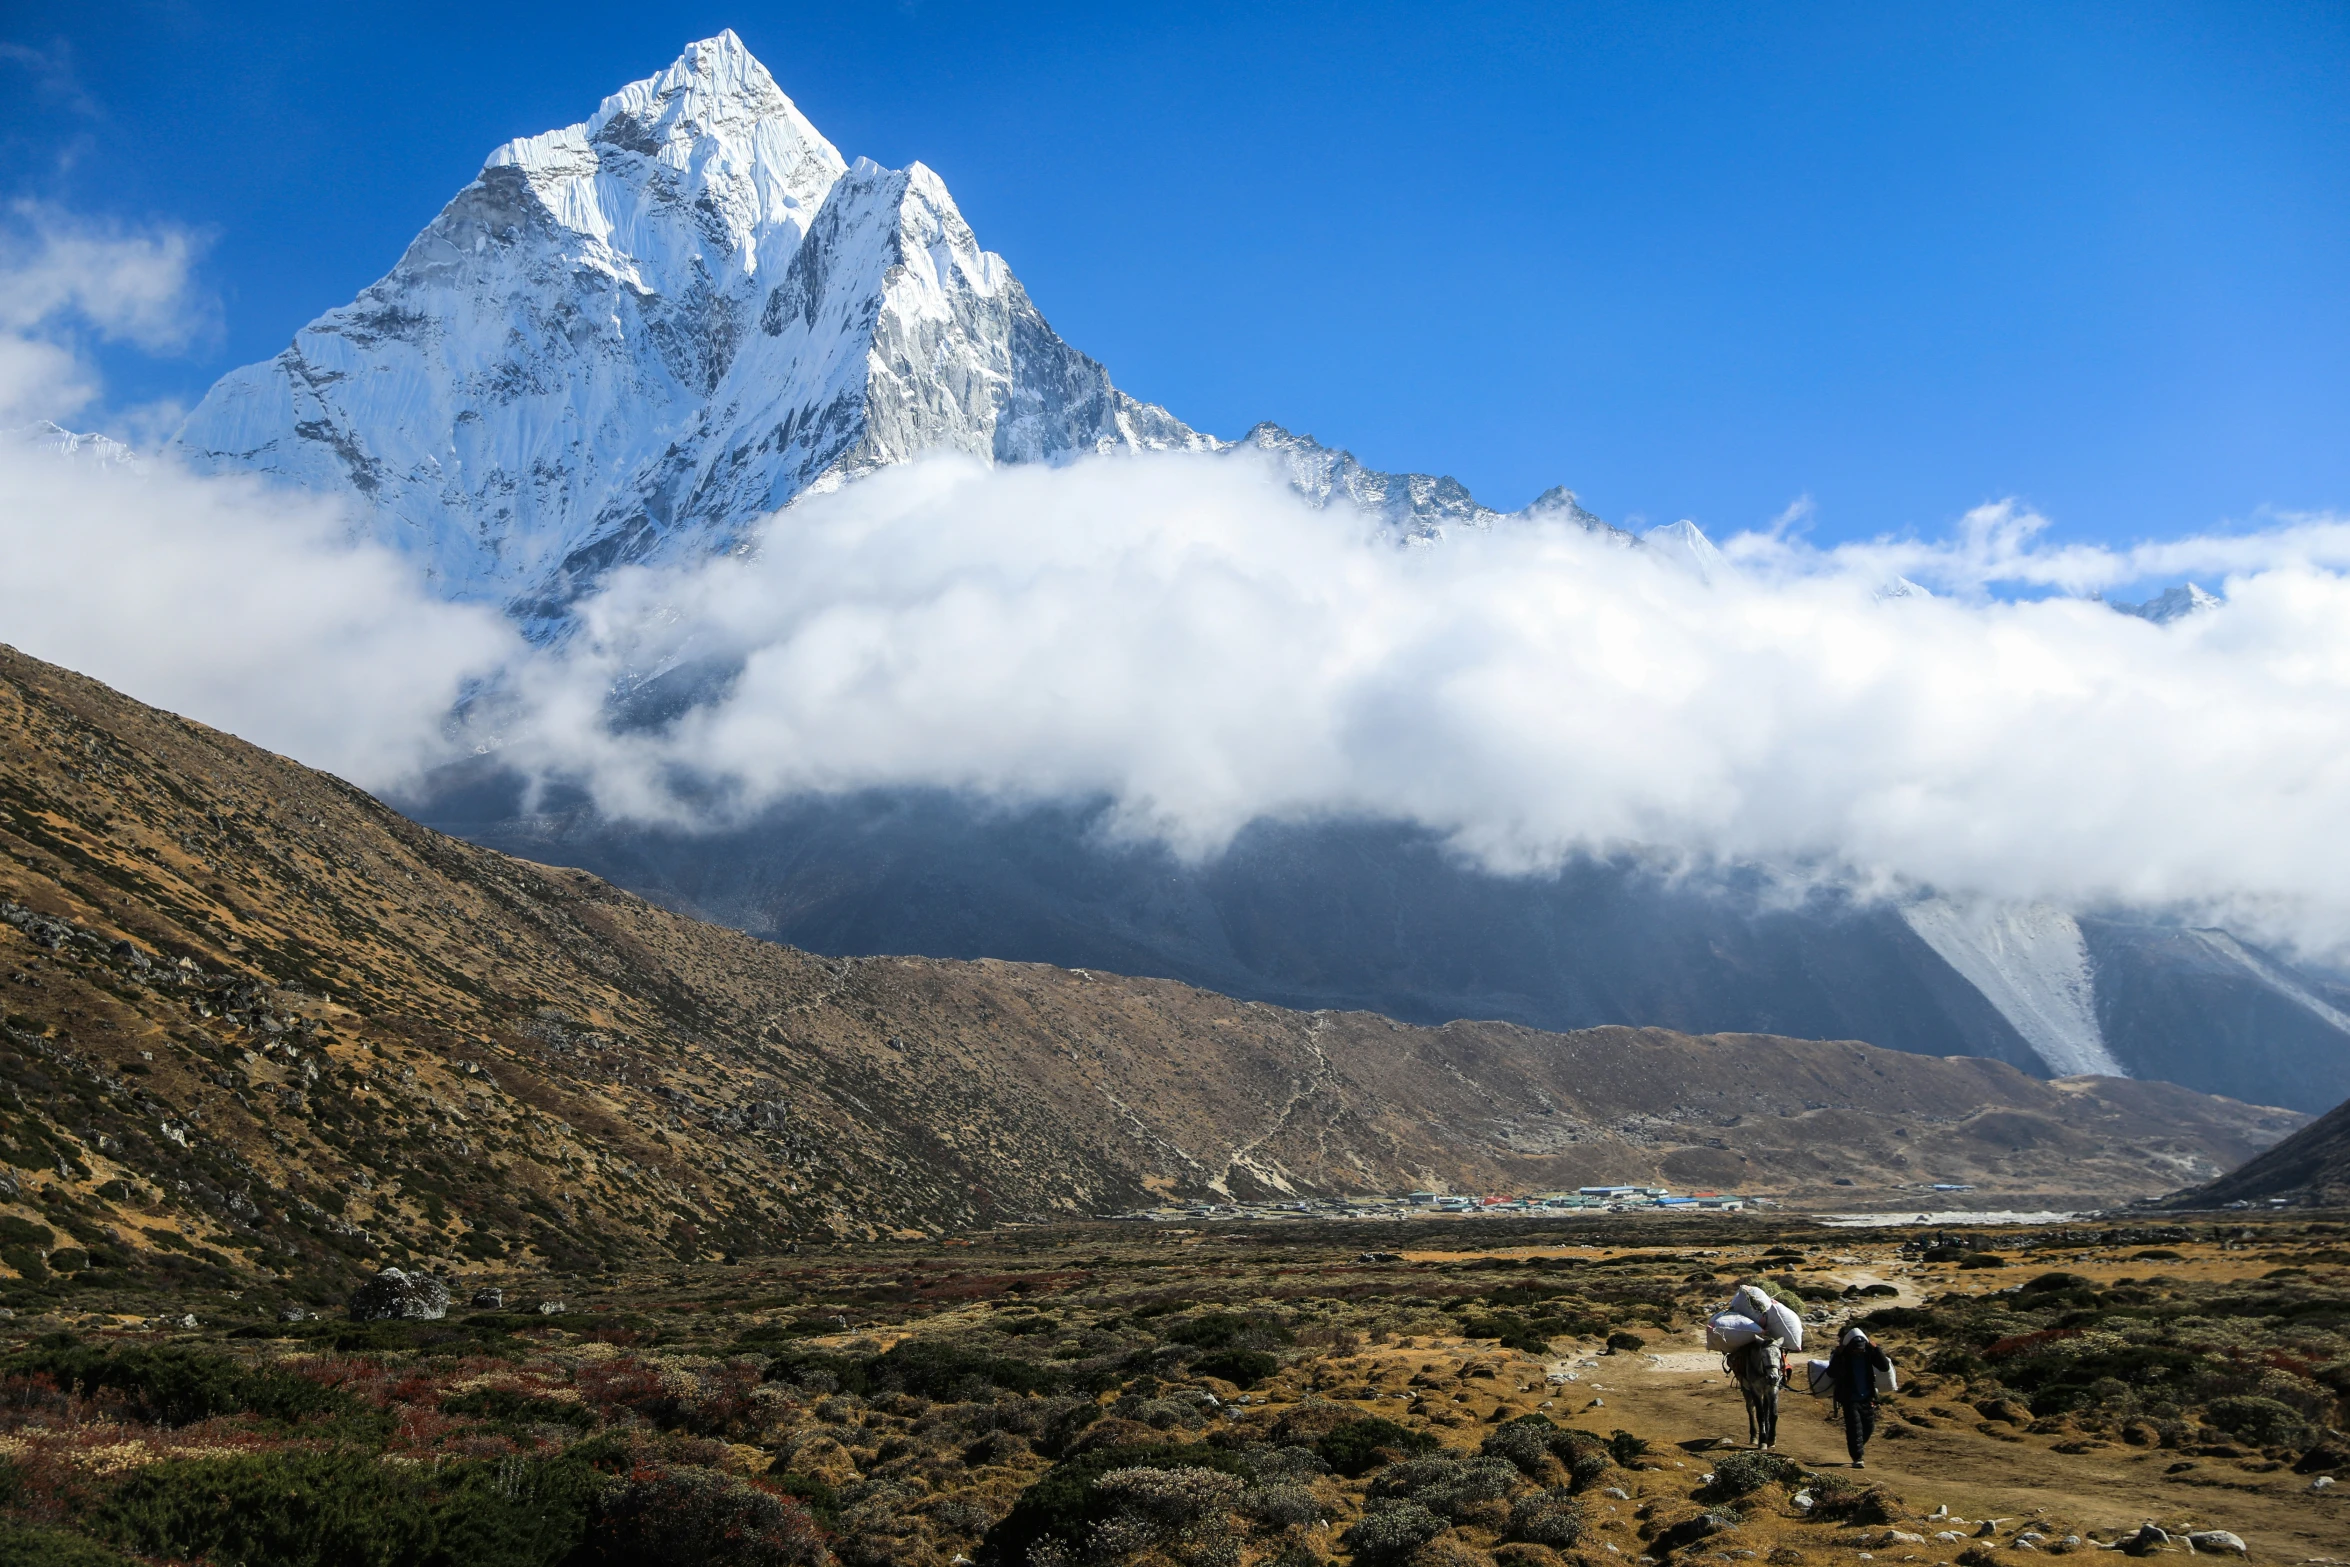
(1182,636)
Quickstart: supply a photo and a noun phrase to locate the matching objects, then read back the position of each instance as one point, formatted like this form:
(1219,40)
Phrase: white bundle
(1776,1321)
(1732,1330)
(1816,1376)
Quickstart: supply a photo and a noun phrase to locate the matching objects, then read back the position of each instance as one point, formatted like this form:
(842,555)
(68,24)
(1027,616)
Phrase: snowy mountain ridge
(630,338)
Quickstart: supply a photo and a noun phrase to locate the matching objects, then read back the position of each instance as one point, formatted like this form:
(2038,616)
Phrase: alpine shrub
(1357,1447)
(1738,1474)
(347,1509)
(2261,1421)
(1065,1502)
(506,1407)
(665,1517)
(1391,1530)
(1447,1485)
(176,1387)
(26,1547)
(1240,1367)
(1549,1517)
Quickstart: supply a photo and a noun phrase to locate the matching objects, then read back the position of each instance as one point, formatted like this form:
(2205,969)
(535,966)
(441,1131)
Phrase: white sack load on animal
(1732,1330)
(1816,1378)
(1775,1319)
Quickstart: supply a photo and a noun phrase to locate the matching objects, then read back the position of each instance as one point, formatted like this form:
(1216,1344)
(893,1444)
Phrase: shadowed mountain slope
(2310,1167)
(254,1017)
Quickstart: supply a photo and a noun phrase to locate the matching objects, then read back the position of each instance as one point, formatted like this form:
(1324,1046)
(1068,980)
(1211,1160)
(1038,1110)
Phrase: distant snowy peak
(1684,544)
(630,338)
(2173,604)
(97,451)
(1415,506)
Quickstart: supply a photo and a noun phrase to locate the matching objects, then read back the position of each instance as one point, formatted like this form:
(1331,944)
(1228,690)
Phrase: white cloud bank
(249,610)
(1183,636)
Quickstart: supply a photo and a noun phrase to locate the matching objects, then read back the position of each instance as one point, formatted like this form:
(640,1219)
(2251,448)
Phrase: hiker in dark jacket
(1852,1382)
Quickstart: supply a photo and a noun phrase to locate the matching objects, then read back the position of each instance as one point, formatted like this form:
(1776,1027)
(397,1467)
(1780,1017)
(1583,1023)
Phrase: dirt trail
(1679,1393)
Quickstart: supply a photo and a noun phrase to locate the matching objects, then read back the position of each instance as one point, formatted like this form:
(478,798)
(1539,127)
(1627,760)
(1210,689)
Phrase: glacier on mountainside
(2032,963)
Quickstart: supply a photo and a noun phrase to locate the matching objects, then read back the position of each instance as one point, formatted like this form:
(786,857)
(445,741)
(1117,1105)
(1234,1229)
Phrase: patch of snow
(2276,978)
(2030,961)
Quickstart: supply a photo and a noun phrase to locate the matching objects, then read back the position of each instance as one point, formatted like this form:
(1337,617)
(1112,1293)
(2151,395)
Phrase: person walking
(1852,1381)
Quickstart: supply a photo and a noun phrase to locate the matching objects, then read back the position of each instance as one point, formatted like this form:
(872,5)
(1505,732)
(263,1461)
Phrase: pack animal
(1755,1368)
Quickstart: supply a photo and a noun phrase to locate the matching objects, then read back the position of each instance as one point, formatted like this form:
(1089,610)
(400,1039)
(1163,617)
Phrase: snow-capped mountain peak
(714,135)
(1684,544)
(97,451)
(2173,604)
(629,338)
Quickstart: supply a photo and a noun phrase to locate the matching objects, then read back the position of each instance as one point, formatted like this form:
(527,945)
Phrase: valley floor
(1487,1394)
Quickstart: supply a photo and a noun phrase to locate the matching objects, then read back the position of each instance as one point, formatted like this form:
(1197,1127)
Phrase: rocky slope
(2311,1167)
(253,1017)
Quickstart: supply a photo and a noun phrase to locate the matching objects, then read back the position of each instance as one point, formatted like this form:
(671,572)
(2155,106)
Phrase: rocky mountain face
(256,1019)
(1381,917)
(2309,1168)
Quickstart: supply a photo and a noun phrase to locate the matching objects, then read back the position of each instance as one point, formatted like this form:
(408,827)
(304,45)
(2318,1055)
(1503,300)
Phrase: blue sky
(1691,260)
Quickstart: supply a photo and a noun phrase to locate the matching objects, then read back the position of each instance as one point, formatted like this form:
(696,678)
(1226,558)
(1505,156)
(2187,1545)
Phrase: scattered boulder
(2217,1542)
(292,1314)
(2328,1456)
(1691,1530)
(550,1308)
(395,1295)
(2149,1539)
(489,1298)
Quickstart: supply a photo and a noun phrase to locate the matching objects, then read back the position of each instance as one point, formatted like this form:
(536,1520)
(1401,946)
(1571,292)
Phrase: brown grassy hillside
(253,1017)
(2311,1167)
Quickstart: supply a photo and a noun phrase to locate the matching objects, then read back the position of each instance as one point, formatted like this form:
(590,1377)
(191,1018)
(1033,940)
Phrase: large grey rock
(395,1296)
